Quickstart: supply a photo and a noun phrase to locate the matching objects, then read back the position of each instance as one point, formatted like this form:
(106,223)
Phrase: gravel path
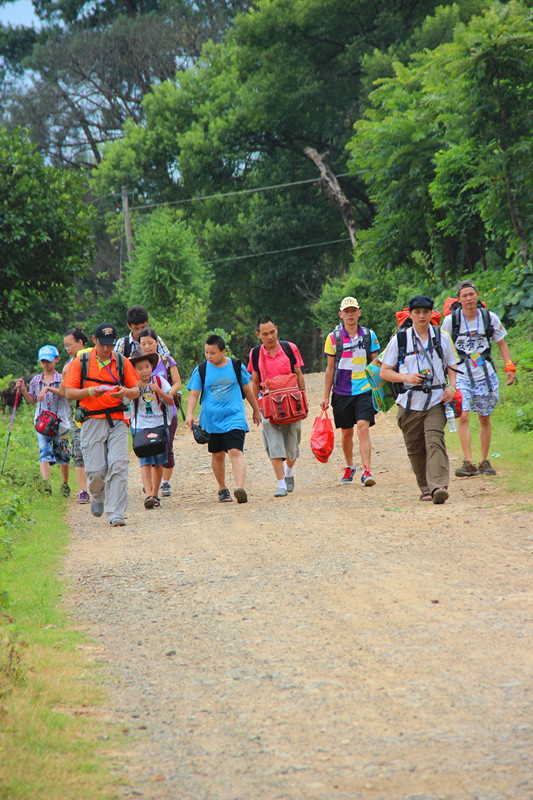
(339,643)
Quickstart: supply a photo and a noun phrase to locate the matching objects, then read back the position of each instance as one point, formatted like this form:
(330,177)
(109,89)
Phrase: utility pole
(127,222)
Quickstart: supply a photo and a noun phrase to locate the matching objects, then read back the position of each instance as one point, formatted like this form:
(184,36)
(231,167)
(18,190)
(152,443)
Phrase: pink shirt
(278,364)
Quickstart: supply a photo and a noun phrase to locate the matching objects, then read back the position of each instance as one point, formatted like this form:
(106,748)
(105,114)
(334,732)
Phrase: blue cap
(48,353)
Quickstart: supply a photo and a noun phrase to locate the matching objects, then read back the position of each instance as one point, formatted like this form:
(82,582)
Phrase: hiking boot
(468,470)
(486,468)
(289,480)
(367,479)
(166,491)
(439,496)
(83,496)
(65,490)
(97,509)
(347,475)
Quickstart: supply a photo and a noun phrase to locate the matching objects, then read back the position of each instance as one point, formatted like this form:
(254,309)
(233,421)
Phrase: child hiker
(148,412)
(44,393)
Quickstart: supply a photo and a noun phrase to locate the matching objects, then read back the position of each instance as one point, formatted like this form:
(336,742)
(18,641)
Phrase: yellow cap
(348,302)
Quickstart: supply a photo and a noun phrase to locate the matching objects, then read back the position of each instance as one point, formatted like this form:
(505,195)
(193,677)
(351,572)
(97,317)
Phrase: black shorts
(347,410)
(222,442)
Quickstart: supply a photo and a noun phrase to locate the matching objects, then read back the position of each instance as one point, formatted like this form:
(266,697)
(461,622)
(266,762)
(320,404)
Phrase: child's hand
(155,387)
(40,396)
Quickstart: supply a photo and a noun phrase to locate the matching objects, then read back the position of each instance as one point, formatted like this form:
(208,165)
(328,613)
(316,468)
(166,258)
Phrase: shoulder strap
(127,346)
(437,342)
(84,367)
(487,324)
(238,373)
(401,336)
(337,335)
(120,367)
(166,363)
(367,340)
(255,358)
(456,323)
(201,372)
(287,349)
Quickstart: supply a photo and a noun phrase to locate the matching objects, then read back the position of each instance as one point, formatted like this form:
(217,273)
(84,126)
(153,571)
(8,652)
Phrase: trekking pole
(18,397)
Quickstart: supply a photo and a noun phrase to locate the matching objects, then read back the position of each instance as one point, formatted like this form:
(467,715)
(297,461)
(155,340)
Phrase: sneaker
(439,496)
(240,496)
(97,509)
(367,479)
(166,491)
(224,496)
(280,493)
(65,490)
(347,475)
(83,496)
(289,480)
(486,468)
(117,522)
(468,470)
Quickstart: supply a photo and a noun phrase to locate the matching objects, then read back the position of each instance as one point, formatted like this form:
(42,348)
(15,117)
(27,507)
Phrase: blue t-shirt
(222,404)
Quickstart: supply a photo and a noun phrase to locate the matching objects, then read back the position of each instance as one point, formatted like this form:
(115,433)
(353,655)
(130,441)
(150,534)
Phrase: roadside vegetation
(52,742)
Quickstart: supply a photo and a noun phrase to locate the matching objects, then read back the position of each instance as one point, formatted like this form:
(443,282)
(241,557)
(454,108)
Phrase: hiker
(349,348)
(75,341)
(472,328)
(44,392)
(420,357)
(167,368)
(268,360)
(218,382)
(137,321)
(149,413)
(100,381)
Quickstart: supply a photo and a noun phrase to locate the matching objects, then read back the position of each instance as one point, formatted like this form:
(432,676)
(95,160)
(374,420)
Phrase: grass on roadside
(52,743)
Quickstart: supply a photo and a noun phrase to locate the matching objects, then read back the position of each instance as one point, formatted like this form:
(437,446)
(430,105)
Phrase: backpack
(436,343)
(81,414)
(339,347)
(47,423)
(236,366)
(287,349)
(488,327)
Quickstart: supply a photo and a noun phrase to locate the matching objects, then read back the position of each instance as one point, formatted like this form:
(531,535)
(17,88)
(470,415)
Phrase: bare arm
(191,405)
(166,397)
(328,382)
(252,399)
(176,379)
(21,387)
(301,379)
(256,384)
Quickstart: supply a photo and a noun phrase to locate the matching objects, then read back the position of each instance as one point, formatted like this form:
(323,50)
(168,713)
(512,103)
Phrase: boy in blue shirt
(223,415)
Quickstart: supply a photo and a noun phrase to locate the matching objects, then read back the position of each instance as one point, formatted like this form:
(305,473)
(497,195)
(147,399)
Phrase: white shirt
(421,361)
(472,340)
(150,412)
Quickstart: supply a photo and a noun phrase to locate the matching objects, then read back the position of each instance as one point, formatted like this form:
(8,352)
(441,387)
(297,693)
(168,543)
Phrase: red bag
(47,423)
(322,438)
(282,401)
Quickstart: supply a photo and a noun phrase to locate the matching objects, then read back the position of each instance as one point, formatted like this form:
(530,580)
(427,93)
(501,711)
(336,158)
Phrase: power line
(273,252)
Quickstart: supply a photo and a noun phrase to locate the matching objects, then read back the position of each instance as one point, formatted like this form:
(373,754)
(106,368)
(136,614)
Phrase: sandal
(157,502)
(240,496)
(224,496)
(425,496)
(150,501)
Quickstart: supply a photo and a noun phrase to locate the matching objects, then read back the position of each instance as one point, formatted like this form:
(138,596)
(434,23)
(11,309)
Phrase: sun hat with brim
(138,355)
(48,353)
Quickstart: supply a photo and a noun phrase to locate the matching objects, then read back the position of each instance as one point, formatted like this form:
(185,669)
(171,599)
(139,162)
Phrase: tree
(45,242)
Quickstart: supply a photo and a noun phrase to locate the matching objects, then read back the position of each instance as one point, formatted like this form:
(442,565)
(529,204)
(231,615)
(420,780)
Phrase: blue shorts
(154,461)
(54,451)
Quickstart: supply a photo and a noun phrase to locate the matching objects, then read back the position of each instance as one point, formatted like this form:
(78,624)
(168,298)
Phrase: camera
(426,384)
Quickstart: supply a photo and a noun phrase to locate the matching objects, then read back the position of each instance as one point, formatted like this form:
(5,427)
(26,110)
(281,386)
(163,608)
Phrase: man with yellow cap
(348,349)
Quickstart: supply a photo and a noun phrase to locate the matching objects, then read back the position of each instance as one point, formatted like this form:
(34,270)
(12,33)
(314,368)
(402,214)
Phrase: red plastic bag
(322,437)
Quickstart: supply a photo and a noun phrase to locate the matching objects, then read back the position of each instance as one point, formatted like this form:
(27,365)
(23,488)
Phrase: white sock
(282,484)
(287,471)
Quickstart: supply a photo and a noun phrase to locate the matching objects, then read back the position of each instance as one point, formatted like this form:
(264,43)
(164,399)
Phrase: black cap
(106,333)
(420,301)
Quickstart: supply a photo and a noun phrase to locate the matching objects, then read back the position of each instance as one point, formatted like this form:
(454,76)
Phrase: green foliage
(518,408)
(446,147)
(184,332)
(44,236)
(166,263)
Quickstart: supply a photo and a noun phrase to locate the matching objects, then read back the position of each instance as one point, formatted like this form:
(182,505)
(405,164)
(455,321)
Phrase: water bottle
(450,418)
(127,412)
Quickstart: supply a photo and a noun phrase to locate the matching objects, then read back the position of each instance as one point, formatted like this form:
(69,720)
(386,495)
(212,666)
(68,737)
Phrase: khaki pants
(423,434)
(105,453)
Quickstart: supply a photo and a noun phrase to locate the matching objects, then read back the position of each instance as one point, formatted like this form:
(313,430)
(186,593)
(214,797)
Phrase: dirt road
(338,643)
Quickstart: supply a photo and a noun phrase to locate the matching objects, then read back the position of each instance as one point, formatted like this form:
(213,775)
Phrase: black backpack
(236,366)
(488,332)
(339,347)
(436,342)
